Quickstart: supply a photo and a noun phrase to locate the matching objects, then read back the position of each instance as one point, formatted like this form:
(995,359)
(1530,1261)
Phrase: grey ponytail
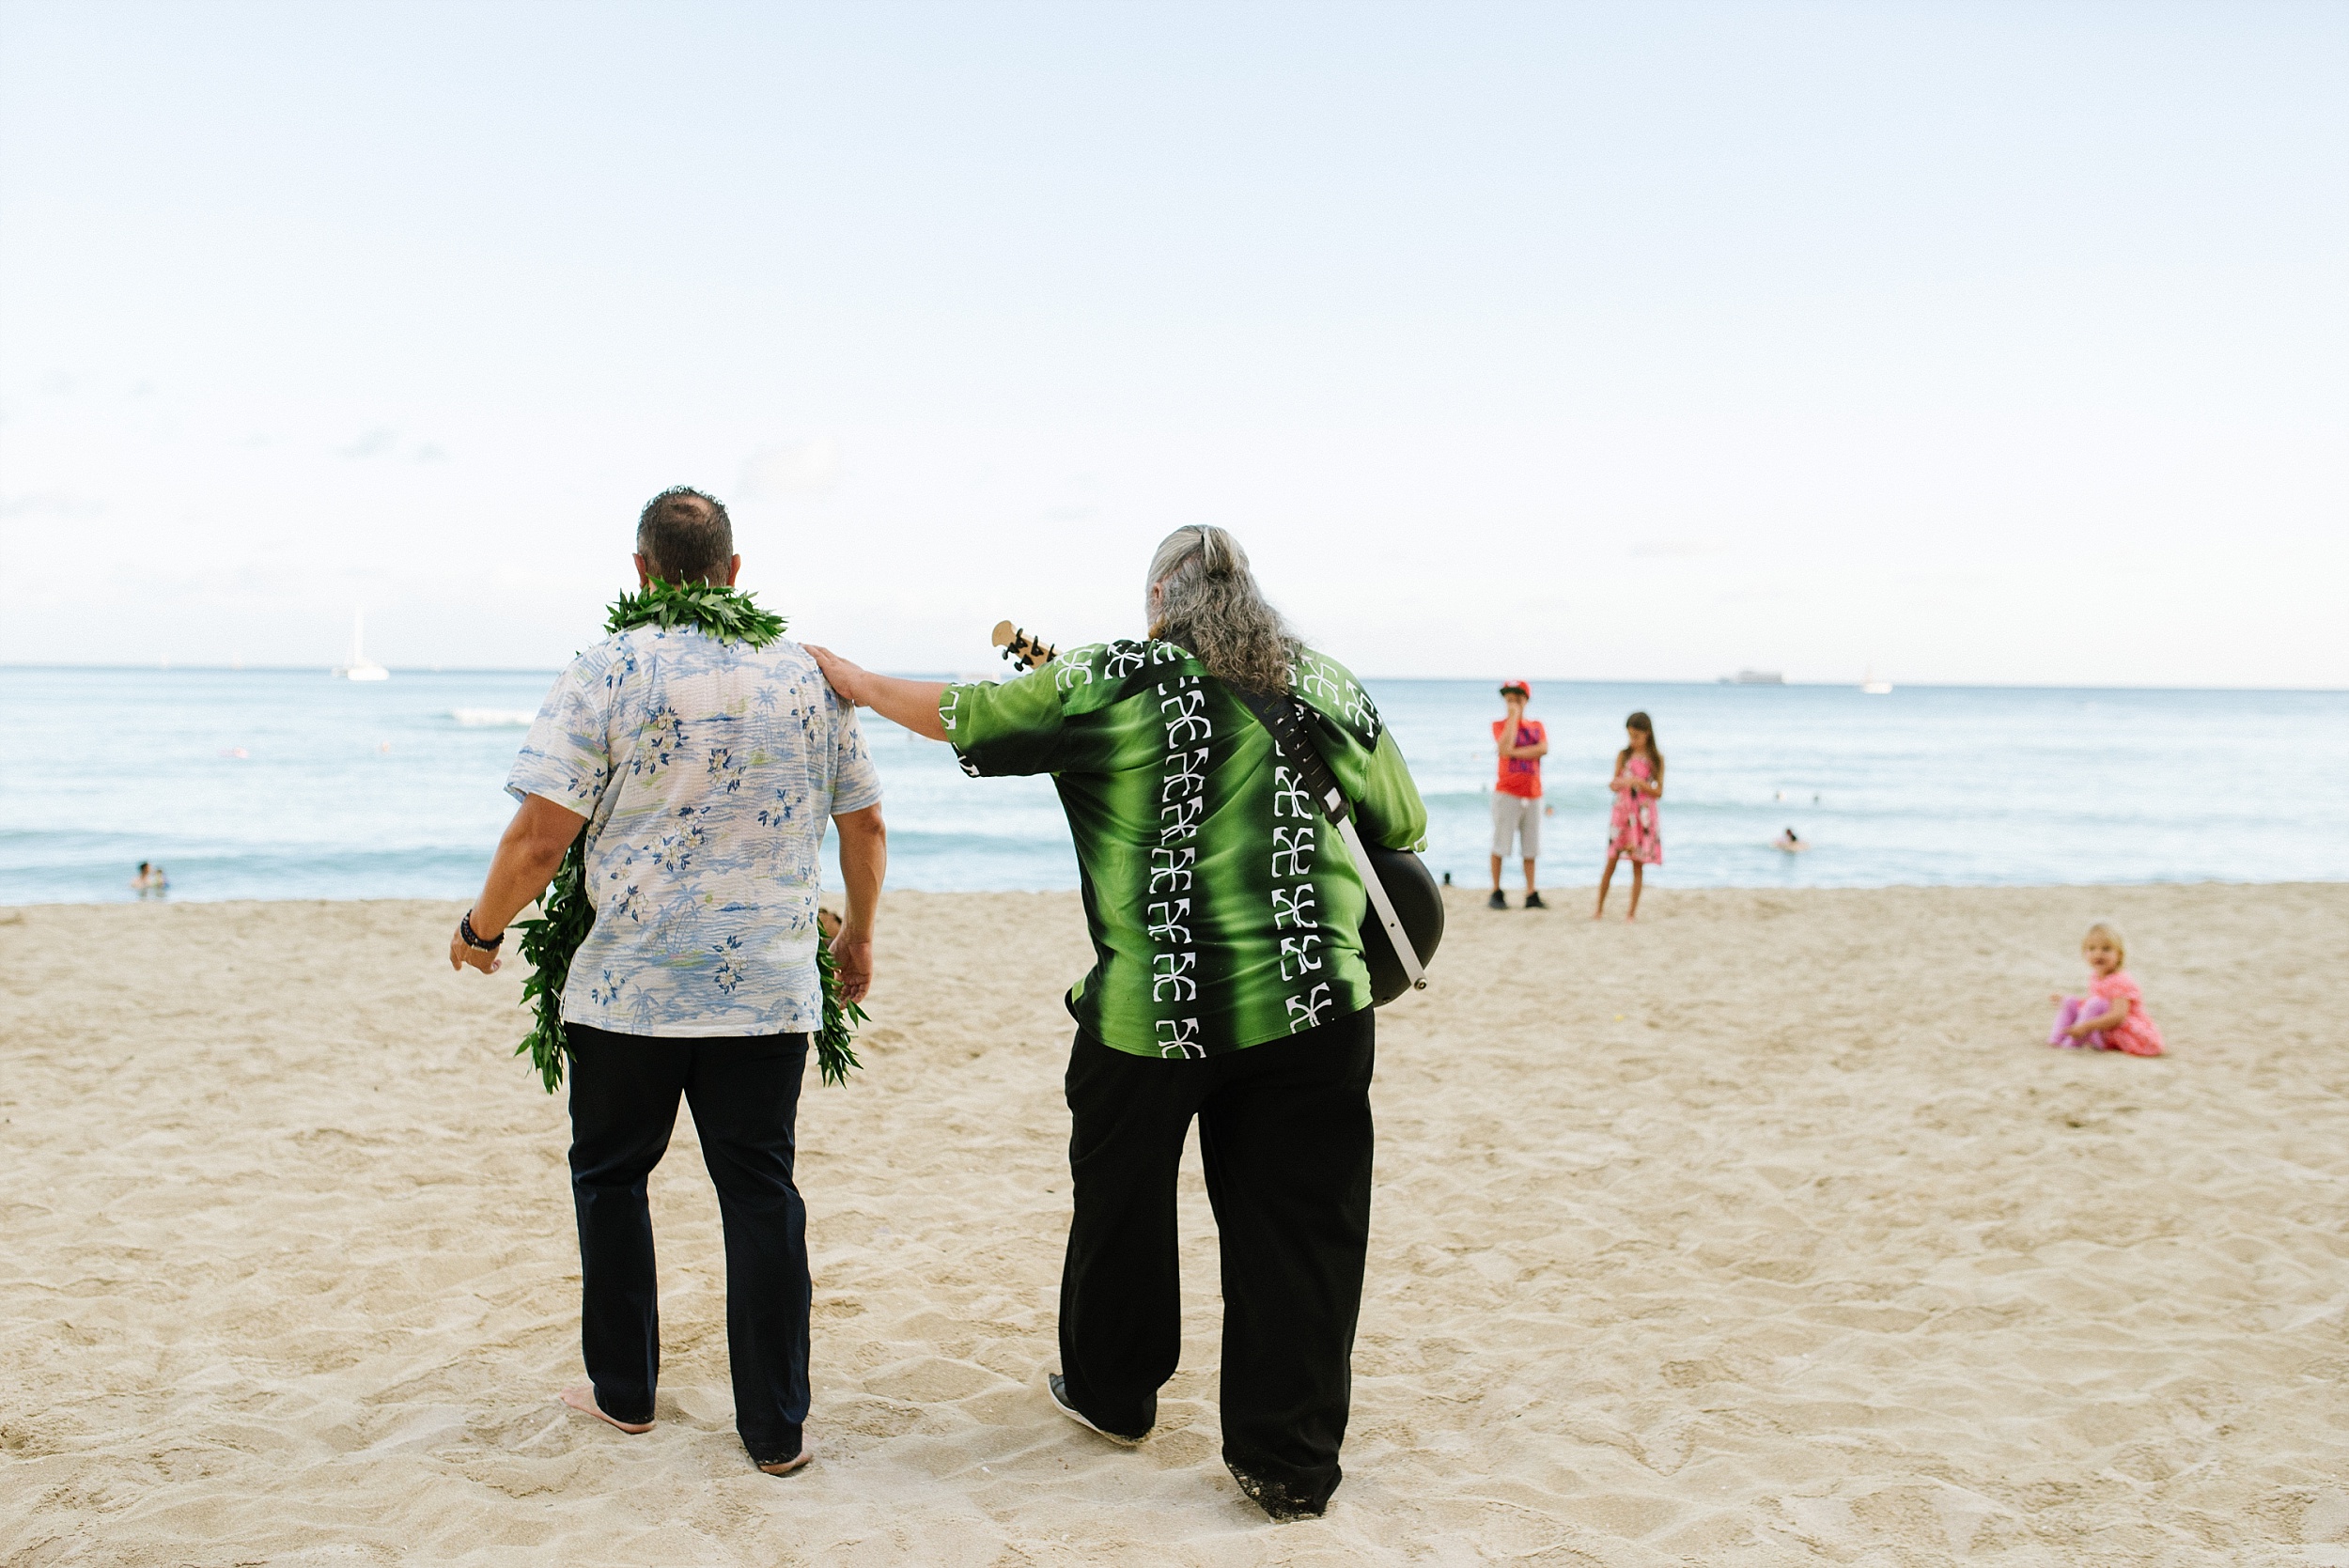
(1201,597)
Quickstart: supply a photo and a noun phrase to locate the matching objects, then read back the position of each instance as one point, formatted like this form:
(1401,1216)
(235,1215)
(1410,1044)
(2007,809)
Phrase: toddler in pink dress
(2111,1017)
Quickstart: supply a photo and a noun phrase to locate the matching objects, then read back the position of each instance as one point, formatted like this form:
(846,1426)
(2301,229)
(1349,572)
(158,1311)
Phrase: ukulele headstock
(1025,651)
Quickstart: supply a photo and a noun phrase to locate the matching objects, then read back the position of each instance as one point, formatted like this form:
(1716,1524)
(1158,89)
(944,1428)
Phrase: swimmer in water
(1789,843)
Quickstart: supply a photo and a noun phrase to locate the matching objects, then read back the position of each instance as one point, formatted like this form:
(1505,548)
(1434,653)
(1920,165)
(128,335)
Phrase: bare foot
(786,1467)
(582,1399)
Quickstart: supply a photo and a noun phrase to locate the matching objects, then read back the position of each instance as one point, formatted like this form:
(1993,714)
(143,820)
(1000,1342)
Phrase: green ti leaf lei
(565,910)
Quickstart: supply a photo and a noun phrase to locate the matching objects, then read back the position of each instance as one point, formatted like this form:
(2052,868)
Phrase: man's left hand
(841,676)
(463,954)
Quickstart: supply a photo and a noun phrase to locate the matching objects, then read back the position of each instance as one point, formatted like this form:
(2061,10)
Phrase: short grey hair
(1202,597)
(685,536)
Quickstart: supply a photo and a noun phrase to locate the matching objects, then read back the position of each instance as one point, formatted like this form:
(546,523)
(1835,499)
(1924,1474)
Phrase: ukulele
(1406,906)
(1027,653)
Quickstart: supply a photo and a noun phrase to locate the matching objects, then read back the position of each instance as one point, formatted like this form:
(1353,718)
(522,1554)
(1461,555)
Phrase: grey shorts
(1517,817)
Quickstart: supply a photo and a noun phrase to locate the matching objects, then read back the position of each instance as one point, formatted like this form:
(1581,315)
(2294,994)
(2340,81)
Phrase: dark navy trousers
(744,1093)
(1285,1132)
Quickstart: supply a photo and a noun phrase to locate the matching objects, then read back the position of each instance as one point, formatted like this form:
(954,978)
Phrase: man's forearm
(518,875)
(526,860)
(864,862)
(910,702)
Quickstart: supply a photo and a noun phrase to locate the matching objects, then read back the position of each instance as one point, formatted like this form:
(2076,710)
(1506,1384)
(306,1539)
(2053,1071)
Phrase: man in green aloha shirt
(1228,984)
(1224,910)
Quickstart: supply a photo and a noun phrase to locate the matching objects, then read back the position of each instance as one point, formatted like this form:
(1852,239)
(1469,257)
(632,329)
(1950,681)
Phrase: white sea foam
(492,718)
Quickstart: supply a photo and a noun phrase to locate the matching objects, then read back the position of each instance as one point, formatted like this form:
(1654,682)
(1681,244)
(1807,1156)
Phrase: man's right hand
(852,959)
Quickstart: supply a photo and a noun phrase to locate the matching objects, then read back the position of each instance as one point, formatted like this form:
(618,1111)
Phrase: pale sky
(2002,343)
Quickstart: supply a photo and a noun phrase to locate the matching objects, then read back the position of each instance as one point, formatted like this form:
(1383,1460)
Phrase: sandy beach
(1762,1232)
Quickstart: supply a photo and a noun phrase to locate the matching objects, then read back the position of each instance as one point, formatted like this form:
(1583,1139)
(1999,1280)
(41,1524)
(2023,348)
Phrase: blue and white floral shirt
(707,772)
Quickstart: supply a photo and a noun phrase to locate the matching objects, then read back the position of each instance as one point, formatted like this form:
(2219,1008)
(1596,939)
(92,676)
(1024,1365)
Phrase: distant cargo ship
(1755,677)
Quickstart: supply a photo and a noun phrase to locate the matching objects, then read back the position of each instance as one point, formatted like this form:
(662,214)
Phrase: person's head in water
(1639,735)
(1201,597)
(684,536)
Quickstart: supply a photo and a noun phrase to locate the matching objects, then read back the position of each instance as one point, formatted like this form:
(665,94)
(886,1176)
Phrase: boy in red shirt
(1521,743)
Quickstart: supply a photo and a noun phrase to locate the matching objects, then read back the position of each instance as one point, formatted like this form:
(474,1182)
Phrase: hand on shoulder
(843,676)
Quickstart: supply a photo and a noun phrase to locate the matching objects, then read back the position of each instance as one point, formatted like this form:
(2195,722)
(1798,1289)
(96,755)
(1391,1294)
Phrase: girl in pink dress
(2111,1017)
(1634,833)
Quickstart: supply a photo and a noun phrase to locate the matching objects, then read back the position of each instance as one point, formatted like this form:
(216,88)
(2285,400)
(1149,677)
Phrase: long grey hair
(1202,598)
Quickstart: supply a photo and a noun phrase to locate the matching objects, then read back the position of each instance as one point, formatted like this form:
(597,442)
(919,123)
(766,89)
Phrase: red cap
(1526,687)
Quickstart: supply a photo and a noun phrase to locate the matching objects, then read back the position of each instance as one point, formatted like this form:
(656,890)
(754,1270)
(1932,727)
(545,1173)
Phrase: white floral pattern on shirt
(707,772)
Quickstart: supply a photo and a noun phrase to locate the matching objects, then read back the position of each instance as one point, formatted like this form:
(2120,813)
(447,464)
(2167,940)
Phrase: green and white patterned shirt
(1224,910)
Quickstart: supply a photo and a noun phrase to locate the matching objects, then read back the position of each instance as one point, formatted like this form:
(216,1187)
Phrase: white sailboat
(1873,684)
(361,667)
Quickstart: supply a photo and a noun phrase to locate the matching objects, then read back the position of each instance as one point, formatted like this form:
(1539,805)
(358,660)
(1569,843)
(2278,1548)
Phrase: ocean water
(290,785)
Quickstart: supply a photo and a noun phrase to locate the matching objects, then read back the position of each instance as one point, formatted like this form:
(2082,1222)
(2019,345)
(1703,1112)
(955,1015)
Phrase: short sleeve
(1386,798)
(1362,752)
(1015,727)
(855,781)
(567,755)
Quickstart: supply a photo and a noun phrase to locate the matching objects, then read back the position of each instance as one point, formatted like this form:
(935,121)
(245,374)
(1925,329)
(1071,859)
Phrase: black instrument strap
(1286,717)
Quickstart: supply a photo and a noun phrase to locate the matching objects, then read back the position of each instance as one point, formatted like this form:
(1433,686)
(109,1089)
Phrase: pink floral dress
(1636,832)
(2137,1034)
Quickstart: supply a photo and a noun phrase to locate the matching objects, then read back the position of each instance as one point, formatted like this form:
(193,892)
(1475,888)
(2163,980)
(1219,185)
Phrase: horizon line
(168,667)
(1463,890)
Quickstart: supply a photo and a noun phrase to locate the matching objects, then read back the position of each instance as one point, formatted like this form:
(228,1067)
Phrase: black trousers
(745,1094)
(1285,1130)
